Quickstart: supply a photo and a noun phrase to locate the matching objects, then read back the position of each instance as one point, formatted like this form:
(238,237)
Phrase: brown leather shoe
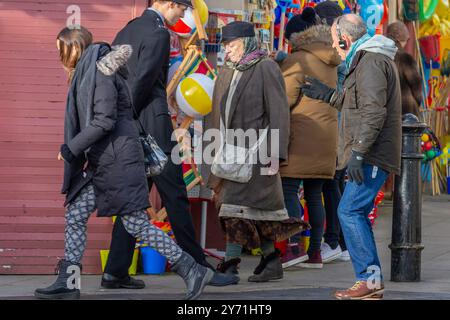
(360,291)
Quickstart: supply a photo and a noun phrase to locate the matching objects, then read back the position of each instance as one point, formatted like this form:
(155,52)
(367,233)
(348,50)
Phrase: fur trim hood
(316,40)
(115,59)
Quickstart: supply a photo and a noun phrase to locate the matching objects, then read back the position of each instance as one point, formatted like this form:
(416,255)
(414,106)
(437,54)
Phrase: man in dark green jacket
(370,140)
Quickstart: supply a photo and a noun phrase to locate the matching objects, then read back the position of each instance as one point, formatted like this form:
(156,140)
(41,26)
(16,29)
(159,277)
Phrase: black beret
(328,10)
(187,3)
(237,29)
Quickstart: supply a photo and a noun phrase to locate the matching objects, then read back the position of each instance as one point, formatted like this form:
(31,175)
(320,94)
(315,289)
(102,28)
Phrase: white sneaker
(345,256)
(329,254)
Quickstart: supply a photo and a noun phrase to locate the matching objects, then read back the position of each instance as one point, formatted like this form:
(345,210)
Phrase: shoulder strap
(260,140)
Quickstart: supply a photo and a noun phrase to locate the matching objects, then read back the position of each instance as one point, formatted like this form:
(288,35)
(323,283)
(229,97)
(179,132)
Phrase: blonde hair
(72,42)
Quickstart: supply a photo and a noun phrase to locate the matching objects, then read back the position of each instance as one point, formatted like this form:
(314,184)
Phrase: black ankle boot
(269,268)
(260,267)
(263,261)
(221,279)
(59,289)
(194,275)
(230,266)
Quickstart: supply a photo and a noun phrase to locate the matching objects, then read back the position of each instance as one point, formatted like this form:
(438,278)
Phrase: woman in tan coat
(313,134)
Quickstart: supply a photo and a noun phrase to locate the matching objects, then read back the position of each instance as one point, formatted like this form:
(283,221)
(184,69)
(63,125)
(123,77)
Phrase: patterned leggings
(136,223)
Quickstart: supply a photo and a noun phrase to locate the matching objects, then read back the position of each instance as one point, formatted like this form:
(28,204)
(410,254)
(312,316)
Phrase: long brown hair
(72,42)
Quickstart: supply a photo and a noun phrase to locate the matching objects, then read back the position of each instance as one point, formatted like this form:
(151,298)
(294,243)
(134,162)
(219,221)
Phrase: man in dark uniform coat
(148,67)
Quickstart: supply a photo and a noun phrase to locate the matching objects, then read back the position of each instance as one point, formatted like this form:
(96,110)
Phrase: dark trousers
(172,190)
(291,187)
(332,193)
(316,211)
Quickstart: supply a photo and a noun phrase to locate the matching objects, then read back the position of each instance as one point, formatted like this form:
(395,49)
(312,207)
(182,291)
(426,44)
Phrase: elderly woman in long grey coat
(249,94)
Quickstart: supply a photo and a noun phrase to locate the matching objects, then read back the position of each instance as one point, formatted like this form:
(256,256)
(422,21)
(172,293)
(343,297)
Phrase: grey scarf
(252,55)
(79,112)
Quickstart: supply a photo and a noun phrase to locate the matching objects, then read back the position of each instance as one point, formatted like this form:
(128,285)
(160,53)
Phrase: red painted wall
(33,89)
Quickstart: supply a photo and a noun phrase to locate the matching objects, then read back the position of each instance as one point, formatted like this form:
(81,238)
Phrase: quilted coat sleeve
(104,115)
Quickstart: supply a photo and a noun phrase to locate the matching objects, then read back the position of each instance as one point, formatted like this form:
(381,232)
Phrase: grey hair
(351,25)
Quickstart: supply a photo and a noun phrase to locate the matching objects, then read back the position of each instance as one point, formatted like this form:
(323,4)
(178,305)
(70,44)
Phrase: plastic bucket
(256,252)
(448,185)
(430,47)
(133,268)
(305,239)
(152,261)
(282,245)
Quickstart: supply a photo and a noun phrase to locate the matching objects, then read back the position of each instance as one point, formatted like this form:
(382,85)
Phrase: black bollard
(406,244)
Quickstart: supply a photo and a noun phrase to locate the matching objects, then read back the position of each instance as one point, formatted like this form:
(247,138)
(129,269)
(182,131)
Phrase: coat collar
(154,16)
(245,79)
(160,16)
(317,41)
(355,62)
(227,76)
(115,60)
(315,34)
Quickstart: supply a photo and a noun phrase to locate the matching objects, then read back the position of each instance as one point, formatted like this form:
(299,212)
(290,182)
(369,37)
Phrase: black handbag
(154,158)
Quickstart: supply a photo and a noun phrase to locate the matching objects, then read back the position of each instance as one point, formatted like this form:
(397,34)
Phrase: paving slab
(298,284)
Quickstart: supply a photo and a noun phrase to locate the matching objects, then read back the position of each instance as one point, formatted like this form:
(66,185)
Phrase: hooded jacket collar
(316,40)
(380,44)
(376,44)
(115,60)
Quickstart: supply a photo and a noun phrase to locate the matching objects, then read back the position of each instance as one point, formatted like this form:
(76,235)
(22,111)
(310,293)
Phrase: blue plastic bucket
(448,185)
(152,261)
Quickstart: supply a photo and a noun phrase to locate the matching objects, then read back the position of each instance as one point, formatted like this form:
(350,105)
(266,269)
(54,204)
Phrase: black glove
(355,168)
(316,89)
(66,153)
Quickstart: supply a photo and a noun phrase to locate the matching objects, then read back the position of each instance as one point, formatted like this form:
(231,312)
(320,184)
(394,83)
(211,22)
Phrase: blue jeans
(354,208)
(291,187)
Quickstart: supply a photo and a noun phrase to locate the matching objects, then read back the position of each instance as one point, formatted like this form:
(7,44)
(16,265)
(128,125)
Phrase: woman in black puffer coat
(104,162)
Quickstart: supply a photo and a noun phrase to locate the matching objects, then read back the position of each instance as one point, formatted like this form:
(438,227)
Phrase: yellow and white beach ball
(194,95)
(185,27)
